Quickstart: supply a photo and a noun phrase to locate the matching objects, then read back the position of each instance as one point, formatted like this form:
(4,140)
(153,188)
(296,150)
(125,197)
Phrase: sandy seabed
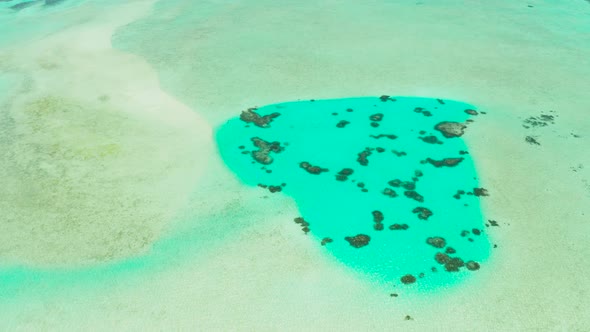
(106,123)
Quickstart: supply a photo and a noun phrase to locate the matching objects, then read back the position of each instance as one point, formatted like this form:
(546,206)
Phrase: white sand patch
(97,159)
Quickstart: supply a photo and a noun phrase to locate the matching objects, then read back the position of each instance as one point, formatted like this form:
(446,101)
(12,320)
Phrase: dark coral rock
(423,213)
(376,117)
(531,140)
(349,110)
(363,157)
(440,101)
(480,192)
(472,266)
(395,183)
(359,240)
(389,192)
(385,98)
(399,227)
(360,184)
(342,123)
(326,240)
(431,139)
(463,152)
(441,258)
(450,250)
(448,162)
(250,116)
(471,112)
(454,264)
(476,231)
(464,233)
(408,279)
(390,136)
(426,113)
(399,153)
(418,173)
(374,124)
(304,224)
(414,195)
(408,185)
(262,155)
(341,177)
(378,226)
(377,216)
(344,173)
(436,241)
(312,169)
(493,223)
(380,150)
(274,189)
(541,121)
(450,129)
(301,221)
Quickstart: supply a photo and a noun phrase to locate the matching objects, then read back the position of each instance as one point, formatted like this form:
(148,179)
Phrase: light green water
(339,208)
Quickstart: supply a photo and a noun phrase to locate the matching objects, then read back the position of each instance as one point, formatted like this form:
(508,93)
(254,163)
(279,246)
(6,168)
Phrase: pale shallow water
(139,224)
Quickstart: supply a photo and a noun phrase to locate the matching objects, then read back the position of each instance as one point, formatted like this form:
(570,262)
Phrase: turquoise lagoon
(336,207)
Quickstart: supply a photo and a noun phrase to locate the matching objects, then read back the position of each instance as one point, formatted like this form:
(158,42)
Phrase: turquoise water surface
(332,134)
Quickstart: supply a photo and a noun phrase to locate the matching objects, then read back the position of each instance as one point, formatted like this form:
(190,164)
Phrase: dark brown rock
(326,240)
(399,227)
(446,162)
(454,264)
(408,279)
(377,216)
(312,169)
(399,153)
(376,117)
(422,212)
(383,135)
(441,258)
(262,155)
(436,241)
(363,157)
(414,195)
(250,116)
(342,123)
(389,192)
(480,192)
(472,266)
(431,139)
(450,129)
(358,241)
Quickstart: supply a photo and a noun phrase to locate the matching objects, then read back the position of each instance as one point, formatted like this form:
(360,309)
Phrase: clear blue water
(336,209)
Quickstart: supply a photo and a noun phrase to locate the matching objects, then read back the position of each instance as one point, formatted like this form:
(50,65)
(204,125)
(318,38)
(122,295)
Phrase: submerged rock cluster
(380,177)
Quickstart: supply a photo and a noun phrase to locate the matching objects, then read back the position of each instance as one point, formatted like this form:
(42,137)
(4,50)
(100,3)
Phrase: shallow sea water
(234,251)
(332,135)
